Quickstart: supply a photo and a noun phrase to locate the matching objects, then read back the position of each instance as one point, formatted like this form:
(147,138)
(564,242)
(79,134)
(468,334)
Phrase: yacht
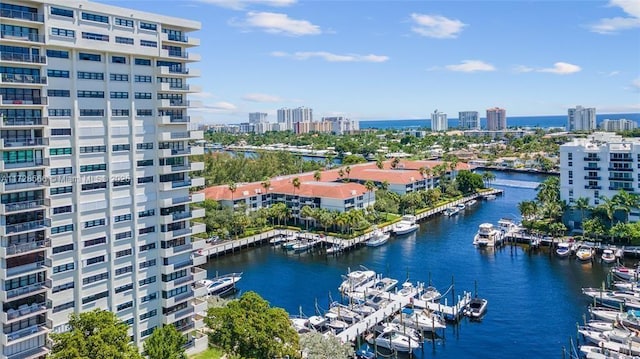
(584,253)
(334,322)
(358,278)
(431,294)
(408,290)
(378,238)
(424,320)
(487,236)
(406,225)
(221,285)
(394,339)
(385,284)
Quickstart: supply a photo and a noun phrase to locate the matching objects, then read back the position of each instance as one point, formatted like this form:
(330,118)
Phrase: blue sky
(404,59)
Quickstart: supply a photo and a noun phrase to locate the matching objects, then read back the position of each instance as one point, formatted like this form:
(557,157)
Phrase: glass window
(95,17)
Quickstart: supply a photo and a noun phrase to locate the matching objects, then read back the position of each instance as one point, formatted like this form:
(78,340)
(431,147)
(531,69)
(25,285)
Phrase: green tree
(317,175)
(347,170)
(232,188)
(488,177)
(468,181)
(318,346)
(370,186)
(97,334)
(625,201)
(528,209)
(250,328)
(165,343)
(582,204)
(296,186)
(307,213)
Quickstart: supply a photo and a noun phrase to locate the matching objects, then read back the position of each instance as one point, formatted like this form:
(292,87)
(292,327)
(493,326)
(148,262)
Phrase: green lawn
(211,353)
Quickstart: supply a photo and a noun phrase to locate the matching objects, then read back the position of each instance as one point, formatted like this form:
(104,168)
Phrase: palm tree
(582,204)
(609,208)
(340,173)
(348,171)
(625,201)
(306,212)
(527,209)
(232,188)
(370,186)
(266,183)
(379,164)
(488,177)
(296,185)
(395,162)
(317,175)
(384,185)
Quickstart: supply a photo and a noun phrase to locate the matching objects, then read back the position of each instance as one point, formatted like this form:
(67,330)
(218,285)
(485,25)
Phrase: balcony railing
(28,267)
(22,15)
(25,290)
(181,231)
(27,226)
(181,280)
(21,36)
(24,101)
(179,184)
(592,158)
(24,142)
(26,247)
(623,159)
(623,169)
(35,307)
(29,121)
(185,327)
(24,79)
(628,189)
(17,57)
(624,179)
(592,168)
(592,187)
(597,178)
(180,266)
(181,215)
(24,332)
(21,206)
(176,37)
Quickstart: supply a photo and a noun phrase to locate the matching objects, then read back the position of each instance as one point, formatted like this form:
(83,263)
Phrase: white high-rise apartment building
(600,165)
(496,119)
(302,114)
(618,125)
(94,174)
(257,117)
(581,119)
(439,121)
(285,119)
(468,120)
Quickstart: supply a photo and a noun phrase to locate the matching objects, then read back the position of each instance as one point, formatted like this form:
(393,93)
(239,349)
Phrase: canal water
(534,298)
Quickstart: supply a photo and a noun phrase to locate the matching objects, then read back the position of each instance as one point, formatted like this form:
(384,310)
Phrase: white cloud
(615,24)
(609,74)
(276,23)
(242,4)
(261,97)
(471,66)
(562,68)
(331,57)
(523,69)
(203,94)
(436,26)
(221,105)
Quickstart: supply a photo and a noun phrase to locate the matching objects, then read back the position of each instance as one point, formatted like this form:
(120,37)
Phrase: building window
(60,151)
(144,146)
(124,40)
(148,43)
(58,73)
(58,53)
(570,174)
(119,77)
(122,218)
(123,22)
(93,298)
(62,229)
(144,163)
(62,209)
(124,253)
(570,156)
(60,112)
(142,78)
(144,113)
(93,168)
(147,332)
(95,17)
(62,287)
(83,75)
(92,113)
(146,281)
(124,306)
(91,149)
(64,248)
(149,314)
(119,148)
(94,36)
(63,32)
(124,288)
(147,247)
(124,270)
(58,93)
(61,171)
(143,62)
(61,12)
(147,179)
(118,59)
(147,230)
(61,307)
(95,278)
(148,26)
(95,242)
(89,57)
(570,164)
(60,132)
(60,190)
(94,186)
(95,223)
(147,213)
(119,95)
(149,297)
(94,260)
(147,264)
(123,235)
(63,267)
(120,183)
(143,95)
(91,94)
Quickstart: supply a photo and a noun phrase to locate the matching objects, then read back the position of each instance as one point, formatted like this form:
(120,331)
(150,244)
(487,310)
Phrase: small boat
(563,250)
(608,256)
(356,279)
(490,197)
(450,211)
(431,294)
(584,253)
(334,249)
(476,308)
(365,353)
(303,245)
(317,322)
(605,314)
(594,352)
(221,285)
(420,320)
(625,273)
(614,299)
(334,322)
(278,240)
(460,207)
(406,225)
(344,313)
(289,241)
(378,238)
(385,284)
(408,290)
(394,339)
(487,236)
(363,309)
(301,325)
(471,202)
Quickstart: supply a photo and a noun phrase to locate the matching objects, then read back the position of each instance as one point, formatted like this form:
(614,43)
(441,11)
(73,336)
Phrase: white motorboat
(303,245)
(378,238)
(363,309)
(317,322)
(413,334)
(344,313)
(626,273)
(336,248)
(613,299)
(594,352)
(393,339)
(420,320)
(460,207)
(357,279)
(334,322)
(605,314)
(471,202)
(451,211)
(301,325)
(406,225)
(408,290)
(221,285)
(608,256)
(487,236)
(600,325)
(506,225)
(476,308)
(278,240)
(584,253)
(563,250)
(490,197)
(290,241)
(385,284)
(431,294)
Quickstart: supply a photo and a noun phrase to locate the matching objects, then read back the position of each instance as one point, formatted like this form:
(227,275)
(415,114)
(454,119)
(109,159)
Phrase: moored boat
(385,284)
(334,249)
(394,339)
(406,225)
(608,256)
(584,253)
(487,236)
(420,320)
(626,273)
(563,250)
(476,308)
(378,238)
(356,279)
(221,285)
(431,294)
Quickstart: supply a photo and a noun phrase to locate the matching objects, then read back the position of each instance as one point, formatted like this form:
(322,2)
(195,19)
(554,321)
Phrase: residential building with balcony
(95,171)
(599,166)
(496,119)
(439,121)
(468,120)
(618,125)
(581,119)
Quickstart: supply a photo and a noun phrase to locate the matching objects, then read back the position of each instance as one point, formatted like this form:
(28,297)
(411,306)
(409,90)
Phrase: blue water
(524,121)
(534,298)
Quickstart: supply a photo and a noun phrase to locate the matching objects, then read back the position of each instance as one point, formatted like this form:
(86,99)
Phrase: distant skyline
(403,59)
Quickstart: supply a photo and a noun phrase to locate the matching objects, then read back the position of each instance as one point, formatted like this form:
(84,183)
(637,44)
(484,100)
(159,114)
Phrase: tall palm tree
(625,201)
(266,183)
(232,188)
(582,204)
(527,209)
(384,185)
(306,212)
(395,162)
(370,186)
(488,177)
(340,173)
(317,175)
(608,206)
(379,163)
(296,185)
(347,170)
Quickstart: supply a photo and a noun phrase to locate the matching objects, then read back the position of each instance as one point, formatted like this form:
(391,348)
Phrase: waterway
(534,298)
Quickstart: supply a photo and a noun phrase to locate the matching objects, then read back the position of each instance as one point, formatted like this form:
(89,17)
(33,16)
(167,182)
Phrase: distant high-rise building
(468,120)
(618,125)
(302,114)
(581,119)
(439,121)
(341,125)
(257,117)
(496,119)
(287,117)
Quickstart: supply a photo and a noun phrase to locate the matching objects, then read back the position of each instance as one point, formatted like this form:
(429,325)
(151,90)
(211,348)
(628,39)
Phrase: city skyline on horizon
(383,60)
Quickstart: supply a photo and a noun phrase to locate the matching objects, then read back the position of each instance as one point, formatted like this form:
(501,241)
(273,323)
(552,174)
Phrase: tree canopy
(250,328)
(97,334)
(165,343)
(318,346)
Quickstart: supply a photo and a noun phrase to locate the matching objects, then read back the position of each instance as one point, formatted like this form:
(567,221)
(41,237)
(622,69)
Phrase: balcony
(628,189)
(32,101)
(19,186)
(621,169)
(179,282)
(621,159)
(22,292)
(24,334)
(176,136)
(591,158)
(28,268)
(592,187)
(178,71)
(20,37)
(26,310)
(592,168)
(16,57)
(24,227)
(182,55)
(198,228)
(169,302)
(623,179)
(36,353)
(198,273)
(597,178)
(38,162)
(24,248)
(174,201)
(21,15)
(173,120)
(193,151)
(167,186)
(199,290)
(169,318)
(24,122)
(199,259)
(173,87)
(181,39)
(21,206)
(19,79)
(10,143)
(171,251)
(168,103)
